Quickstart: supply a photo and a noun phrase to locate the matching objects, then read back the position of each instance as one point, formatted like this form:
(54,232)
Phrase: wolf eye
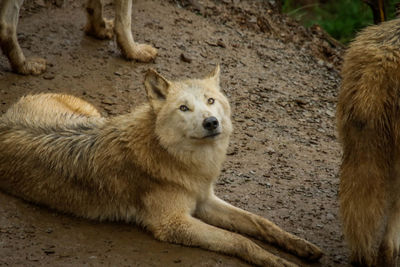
(210,101)
(183,108)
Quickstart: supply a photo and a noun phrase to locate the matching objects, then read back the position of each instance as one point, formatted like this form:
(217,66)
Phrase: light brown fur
(368,119)
(154,166)
(96,26)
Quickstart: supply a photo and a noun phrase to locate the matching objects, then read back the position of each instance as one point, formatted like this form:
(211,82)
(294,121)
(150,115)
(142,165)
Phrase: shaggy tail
(365,168)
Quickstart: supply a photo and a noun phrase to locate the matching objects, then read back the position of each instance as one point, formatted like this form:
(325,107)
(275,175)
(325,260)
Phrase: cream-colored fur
(96,26)
(155,166)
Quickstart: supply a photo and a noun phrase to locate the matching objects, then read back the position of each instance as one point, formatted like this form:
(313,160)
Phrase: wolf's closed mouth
(211,135)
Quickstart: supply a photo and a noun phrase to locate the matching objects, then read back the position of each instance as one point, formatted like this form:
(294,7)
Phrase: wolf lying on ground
(368,118)
(96,26)
(155,166)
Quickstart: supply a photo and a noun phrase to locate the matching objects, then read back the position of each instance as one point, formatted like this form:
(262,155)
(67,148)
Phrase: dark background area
(342,19)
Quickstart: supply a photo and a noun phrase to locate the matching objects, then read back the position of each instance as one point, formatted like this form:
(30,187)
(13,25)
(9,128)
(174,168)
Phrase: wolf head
(189,113)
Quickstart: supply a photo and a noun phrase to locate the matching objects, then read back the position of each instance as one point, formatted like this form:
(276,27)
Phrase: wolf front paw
(139,52)
(284,263)
(308,251)
(101,30)
(31,66)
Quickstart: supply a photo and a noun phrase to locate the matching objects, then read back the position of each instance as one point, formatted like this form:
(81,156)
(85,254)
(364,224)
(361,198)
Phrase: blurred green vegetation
(342,19)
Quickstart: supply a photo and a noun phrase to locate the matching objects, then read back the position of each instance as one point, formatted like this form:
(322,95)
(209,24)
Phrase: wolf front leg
(186,230)
(219,213)
(9,15)
(130,49)
(389,247)
(96,25)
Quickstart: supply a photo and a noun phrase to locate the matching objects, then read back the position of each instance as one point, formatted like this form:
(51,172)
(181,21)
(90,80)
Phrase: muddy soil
(282,82)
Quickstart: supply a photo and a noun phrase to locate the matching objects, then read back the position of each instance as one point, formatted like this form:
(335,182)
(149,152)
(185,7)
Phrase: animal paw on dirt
(140,52)
(34,66)
(104,29)
(308,251)
(284,263)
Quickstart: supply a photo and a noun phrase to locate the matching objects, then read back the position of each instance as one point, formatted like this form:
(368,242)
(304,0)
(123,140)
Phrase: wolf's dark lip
(211,135)
(206,136)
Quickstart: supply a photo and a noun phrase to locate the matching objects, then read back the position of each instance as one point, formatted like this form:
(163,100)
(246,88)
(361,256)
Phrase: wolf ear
(156,86)
(214,75)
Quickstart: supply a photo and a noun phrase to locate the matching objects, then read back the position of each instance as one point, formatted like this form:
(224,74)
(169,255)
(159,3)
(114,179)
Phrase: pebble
(185,58)
(48,77)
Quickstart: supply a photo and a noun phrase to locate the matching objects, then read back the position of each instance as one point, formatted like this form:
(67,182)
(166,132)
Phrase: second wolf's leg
(130,49)
(219,213)
(9,14)
(186,230)
(390,245)
(389,248)
(96,24)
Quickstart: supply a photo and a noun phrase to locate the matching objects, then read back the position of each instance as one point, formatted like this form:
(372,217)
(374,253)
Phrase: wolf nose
(210,123)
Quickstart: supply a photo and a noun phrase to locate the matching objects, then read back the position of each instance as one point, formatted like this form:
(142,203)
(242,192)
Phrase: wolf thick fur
(96,26)
(155,166)
(368,119)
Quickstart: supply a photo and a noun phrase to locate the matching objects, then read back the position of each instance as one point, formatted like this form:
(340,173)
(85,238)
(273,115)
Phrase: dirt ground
(282,81)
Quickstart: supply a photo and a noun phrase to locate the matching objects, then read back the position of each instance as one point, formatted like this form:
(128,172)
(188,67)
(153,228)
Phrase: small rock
(270,151)
(330,216)
(211,43)
(330,113)
(300,102)
(48,77)
(49,250)
(221,43)
(232,150)
(329,66)
(108,102)
(186,58)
